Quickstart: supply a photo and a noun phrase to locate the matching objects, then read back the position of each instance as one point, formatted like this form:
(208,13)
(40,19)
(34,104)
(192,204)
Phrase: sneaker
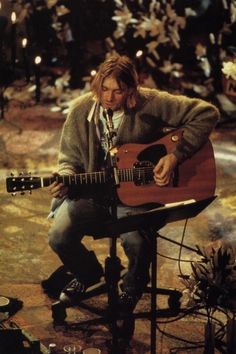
(72,292)
(127,302)
(55,283)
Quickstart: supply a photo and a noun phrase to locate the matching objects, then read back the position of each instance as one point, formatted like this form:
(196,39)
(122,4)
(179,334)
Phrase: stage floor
(26,258)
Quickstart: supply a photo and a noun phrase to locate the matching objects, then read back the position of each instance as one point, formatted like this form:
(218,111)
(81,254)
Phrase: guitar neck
(23,183)
(100,177)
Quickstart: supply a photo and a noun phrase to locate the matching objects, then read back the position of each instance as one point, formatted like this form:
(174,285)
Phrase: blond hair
(122,69)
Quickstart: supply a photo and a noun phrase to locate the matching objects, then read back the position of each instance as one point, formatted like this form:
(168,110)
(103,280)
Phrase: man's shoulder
(147,95)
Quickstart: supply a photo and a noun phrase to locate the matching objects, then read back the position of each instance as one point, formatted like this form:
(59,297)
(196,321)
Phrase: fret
(123,175)
(46,181)
(130,174)
(103,177)
(120,175)
(126,175)
(97,177)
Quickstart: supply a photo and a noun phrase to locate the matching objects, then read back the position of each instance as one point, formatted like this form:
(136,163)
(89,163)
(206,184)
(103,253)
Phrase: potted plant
(212,285)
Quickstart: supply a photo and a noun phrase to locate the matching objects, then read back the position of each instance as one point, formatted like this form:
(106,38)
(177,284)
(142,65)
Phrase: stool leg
(153,235)
(112,276)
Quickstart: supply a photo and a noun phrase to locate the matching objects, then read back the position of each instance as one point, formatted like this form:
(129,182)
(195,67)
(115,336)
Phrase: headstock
(22,183)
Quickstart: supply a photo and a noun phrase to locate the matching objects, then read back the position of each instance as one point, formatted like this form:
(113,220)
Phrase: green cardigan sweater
(154,110)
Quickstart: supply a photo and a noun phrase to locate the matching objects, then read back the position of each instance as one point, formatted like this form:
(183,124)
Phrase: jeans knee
(55,240)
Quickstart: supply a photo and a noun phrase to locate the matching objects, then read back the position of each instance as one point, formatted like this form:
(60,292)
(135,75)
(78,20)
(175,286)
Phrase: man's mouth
(108,105)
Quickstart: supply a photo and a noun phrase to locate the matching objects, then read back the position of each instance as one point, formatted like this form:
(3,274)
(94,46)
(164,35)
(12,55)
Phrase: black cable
(173,259)
(181,247)
(172,336)
(188,311)
(194,345)
(210,317)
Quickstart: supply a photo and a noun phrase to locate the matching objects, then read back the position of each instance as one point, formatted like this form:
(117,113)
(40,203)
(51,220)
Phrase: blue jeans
(75,218)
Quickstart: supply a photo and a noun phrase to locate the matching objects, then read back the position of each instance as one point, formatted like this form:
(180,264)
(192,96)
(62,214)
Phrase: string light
(24,42)
(37,60)
(139,53)
(93,73)
(13,17)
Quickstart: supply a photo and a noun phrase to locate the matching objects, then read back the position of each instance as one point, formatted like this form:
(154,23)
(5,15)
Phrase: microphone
(108,116)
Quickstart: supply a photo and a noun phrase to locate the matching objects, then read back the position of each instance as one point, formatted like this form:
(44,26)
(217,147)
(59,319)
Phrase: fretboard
(100,177)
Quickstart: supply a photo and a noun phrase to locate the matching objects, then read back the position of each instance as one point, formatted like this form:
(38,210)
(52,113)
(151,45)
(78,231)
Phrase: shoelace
(75,285)
(127,298)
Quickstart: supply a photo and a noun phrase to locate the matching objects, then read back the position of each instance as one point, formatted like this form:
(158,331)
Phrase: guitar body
(195,177)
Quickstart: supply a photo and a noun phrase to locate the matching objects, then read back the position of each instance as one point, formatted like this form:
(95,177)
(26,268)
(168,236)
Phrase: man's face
(112,96)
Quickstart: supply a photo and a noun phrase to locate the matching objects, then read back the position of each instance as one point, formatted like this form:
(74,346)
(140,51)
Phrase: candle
(25,59)
(13,39)
(37,62)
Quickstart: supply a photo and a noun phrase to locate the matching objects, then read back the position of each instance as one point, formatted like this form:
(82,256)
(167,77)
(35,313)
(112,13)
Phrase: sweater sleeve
(69,160)
(196,116)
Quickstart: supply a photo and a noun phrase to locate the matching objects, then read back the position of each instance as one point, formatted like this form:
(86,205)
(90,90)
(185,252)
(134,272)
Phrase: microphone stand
(112,262)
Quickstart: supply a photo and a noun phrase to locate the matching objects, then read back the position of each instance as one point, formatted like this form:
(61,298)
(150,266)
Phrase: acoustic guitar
(195,178)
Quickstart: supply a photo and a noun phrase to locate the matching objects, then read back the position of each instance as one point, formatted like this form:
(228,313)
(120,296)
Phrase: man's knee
(55,240)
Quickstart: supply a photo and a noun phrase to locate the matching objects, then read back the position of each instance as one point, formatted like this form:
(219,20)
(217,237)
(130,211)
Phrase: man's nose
(110,96)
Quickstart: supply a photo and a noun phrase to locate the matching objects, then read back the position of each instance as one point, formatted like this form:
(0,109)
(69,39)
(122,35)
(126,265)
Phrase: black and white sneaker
(73,292)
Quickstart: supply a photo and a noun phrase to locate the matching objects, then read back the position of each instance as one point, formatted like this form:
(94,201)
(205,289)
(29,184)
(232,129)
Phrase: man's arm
(68,158)
(197,117)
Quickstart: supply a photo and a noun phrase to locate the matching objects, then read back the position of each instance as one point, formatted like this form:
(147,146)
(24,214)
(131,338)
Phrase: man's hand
(164,168)
(56,189)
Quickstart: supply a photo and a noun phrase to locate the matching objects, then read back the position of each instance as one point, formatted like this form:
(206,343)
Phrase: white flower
(123,18)
(229,69)
(233,12)
(151,25)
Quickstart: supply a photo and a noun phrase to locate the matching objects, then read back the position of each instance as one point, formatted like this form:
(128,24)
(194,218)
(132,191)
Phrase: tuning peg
(22,193)
(12,174)
(30,192)
(13,194)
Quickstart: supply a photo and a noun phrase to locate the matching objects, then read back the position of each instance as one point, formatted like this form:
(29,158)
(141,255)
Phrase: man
(138,116)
